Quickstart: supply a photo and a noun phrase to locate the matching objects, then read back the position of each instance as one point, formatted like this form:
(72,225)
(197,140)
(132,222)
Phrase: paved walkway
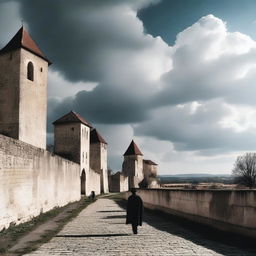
(100,230)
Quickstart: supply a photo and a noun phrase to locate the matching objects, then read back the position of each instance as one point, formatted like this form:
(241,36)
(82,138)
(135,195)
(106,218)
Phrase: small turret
(133,165)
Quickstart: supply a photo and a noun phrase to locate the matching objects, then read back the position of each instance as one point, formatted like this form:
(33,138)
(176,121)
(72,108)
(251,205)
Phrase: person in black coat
(134,211)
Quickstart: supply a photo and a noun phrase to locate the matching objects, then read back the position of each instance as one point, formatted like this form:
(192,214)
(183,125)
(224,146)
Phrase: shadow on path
(219,241)
(115,217)
(93,235)
(111,211)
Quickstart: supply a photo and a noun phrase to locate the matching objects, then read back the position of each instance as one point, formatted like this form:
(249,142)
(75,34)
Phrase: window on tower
(30,71)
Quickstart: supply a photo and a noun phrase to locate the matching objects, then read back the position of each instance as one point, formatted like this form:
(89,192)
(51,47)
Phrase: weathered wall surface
(95,158)
(98,162)
(133,168)
(33,101)
(33,181)
(67,141)
(149,170)
(23,102)
(124,185)
(104,168)
(92,182)
(114,182)
(118,183)
(233,211)
(9,96)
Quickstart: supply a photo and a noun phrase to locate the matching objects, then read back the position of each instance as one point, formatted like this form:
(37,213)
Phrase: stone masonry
(100,230)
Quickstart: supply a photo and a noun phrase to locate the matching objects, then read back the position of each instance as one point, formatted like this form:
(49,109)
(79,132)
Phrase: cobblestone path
(100,230)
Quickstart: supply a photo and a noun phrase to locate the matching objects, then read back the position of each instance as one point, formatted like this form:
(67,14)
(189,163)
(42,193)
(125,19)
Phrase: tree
(245,170)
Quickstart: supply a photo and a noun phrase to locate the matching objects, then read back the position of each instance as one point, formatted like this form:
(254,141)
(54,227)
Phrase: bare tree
(245,170)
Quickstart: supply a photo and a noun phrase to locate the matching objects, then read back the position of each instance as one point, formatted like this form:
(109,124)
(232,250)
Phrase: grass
(10,236)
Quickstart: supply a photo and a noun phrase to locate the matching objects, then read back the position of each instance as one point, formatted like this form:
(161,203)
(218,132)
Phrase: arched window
(30,71)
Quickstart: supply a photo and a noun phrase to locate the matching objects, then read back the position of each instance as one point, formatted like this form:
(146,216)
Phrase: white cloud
(190,105)
(60,88)
(10,20)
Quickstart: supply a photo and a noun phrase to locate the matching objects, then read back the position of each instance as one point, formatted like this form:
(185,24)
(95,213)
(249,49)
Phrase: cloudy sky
(177,76)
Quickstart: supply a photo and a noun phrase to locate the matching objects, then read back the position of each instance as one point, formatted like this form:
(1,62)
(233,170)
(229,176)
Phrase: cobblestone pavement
(100,230)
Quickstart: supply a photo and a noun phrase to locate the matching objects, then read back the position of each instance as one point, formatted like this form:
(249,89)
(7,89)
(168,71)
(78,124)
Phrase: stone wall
(33,181)
(98,162)
(67,141)
(23,102)
(104,168)
(124,186)
(92,182)
(228,210)
(9,96)
(118,183)
(149,170)
(33,100)
(133,168)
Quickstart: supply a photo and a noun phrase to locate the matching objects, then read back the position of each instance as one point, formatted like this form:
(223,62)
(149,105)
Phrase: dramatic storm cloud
(189,104)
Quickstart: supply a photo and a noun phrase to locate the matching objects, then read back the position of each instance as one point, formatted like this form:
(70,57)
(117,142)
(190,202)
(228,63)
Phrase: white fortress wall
(92,182)
(33,181)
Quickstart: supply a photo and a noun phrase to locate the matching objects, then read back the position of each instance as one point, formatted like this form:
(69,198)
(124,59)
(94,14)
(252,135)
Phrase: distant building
(133,165)
(150,174)
(149,169)
(139,172)
(118,182)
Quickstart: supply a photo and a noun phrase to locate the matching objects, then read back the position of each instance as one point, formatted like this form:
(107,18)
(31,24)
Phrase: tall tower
(98,158)
(23,90)
(133,165)
(72,141)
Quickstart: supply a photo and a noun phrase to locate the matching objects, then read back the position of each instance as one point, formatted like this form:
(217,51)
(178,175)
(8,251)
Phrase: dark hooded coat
(134,210)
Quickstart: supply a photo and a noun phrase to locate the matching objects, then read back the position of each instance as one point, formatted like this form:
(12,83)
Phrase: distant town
(198,181)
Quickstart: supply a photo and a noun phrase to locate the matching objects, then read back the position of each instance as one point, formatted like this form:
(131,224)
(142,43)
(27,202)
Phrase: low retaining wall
(228,210)
(33,181)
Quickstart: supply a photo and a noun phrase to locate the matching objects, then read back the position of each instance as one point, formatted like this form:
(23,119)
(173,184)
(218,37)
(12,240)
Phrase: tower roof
(22,39)
(72,117)
(149,162)
(95,137)
(132,150)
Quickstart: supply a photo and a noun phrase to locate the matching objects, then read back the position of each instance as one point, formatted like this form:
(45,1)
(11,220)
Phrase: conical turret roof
(95,137)
(22,39)
(132,150)
(72,117)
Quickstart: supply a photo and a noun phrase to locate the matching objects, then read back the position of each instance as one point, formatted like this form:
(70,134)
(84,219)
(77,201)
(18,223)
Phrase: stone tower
(23,90)
(133,165)
(72,141)
(98,158)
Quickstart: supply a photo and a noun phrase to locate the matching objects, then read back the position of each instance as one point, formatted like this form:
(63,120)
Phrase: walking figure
(134,211)
(92,195)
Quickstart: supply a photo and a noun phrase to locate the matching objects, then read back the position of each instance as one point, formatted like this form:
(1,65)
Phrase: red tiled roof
(149,162)
(132,150)
(72,117)
(22,39)
(95,137)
